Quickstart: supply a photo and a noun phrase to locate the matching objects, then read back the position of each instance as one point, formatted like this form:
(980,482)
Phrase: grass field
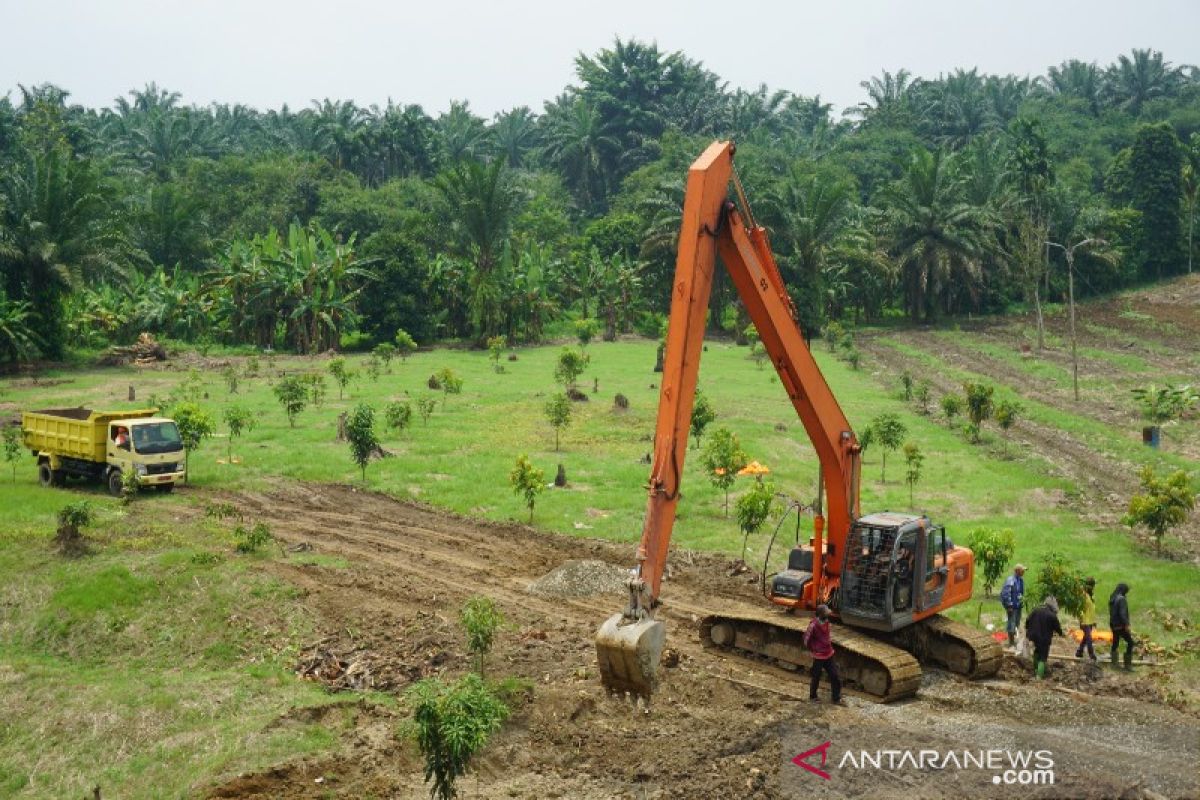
(155,655)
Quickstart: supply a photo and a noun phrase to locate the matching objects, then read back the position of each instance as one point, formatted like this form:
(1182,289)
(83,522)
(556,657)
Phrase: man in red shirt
(820,644)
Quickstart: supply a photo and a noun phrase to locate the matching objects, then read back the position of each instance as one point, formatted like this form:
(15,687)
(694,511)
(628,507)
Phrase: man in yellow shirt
(1087,619)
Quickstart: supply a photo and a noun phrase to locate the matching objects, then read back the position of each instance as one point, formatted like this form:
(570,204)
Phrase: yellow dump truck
(105,446)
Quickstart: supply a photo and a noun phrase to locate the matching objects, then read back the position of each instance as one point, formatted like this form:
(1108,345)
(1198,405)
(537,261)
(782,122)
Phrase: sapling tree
(1007,412)
(702,415)
(450,383)
(450,725)
(558,414)
(481,619)
(239,420)
(230,376)
(568,368)
(1163,504)
(951,406)
(1060,577)
(425,407)
(72,518)
(406,344)
(980,406)
(360,433)
(342,374)
(913,461)
(906,385)
(385,352)
(889,433)
(585,331)
(752,510)
(496,345)
(292,394)
(374,367)
(195,425)
(527,482)
(12,447)
(993,550)
(922,394)
(317,388)
(399,415)
(723,457)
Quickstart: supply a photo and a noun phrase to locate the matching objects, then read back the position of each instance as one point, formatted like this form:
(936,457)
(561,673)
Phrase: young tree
(723,457)
(890,433)
(450,382)
(12,447)
(913,461)
(239,420)
(496,345)
(342,374)
(1164,503)
(980,407)
(702,415)
(527,482)
(317,388)
(451,724)
(1007,412)
(906,385)
(558,414)
(195,425)
(922,394)
(360,433)
(951,407)
(585,331)
(374,368)
(481,619)
(385,352)
(425,407)
(72,518)
(399,414)
(292,394)
(406,344)
(1060,577)
(230,375)
(752,510)
(568,368)
(993,550)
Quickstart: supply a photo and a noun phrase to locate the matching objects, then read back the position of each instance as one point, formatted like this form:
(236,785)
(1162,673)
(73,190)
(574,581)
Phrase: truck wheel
(165,488)
(45,475)
(115,485)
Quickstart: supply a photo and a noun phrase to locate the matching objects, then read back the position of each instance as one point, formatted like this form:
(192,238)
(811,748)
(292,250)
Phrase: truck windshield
(156,437)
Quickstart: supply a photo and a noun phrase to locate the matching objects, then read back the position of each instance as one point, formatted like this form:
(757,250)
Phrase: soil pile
(581,579)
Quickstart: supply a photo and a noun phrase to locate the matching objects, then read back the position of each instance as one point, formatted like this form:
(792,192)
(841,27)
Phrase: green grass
(155,597)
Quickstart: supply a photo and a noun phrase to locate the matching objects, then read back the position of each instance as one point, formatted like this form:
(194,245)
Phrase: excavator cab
(894,568)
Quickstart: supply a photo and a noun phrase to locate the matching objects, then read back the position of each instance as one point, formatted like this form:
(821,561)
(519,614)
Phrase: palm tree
(889,96)
(1139,77)
(577,145)
(18,342)
(515,135)
(463,135)
(1191,190)
(1079,79)
(935,235)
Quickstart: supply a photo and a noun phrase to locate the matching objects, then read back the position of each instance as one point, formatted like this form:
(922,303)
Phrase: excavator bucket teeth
(628,654)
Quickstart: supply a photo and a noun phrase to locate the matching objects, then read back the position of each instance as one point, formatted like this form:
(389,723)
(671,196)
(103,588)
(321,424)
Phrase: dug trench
(720,727)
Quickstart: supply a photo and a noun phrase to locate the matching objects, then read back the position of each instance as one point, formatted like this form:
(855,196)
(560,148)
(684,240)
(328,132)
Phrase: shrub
(72,518)
(570,365)
(230,375)
(481,619)
(195,425)
(993,550)
(239,420)
(889,432)
(913,461)
(702,415)
(980,405)
(130,486)
(425,407)
(922,394)
(450,725)
(406,344)
(951,406)
(853,357)
(723,457)
(833,334)
(558,414)
(496,346)
(1007,412)
(13,447)
(906,385)
(385,352)
(1058,576)
(527,482)
(585,331)
(752,510)
(317,388)
(342,374)
(360,433)
(450,382)
(399,414)
(251,540)
(1163,404)
(374,367)
(292,394)
(1164,503)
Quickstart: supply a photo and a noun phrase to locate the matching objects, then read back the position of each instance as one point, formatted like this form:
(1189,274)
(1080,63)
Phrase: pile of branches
(337,672)
(146,350)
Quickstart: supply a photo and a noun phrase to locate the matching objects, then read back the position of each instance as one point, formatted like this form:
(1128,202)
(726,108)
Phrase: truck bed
(73,432)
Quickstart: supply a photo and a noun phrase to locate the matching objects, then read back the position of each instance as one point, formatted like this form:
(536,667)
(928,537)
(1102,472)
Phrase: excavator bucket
(628,653)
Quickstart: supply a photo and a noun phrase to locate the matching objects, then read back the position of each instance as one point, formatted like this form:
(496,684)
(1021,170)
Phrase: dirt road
(720,728)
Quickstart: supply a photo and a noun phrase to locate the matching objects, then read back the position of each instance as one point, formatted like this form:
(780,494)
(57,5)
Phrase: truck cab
(150,448)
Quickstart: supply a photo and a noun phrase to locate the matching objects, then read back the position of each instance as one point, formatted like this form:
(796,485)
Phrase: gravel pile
(580,579)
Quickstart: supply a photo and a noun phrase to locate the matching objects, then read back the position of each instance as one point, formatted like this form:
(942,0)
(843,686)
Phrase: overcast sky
(502,54)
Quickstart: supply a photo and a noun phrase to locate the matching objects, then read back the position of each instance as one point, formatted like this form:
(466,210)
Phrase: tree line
(295,229)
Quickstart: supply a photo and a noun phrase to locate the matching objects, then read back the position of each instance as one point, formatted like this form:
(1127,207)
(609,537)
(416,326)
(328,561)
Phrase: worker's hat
(1020,567)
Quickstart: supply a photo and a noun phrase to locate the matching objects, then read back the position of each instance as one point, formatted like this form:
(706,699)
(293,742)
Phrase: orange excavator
(886,576)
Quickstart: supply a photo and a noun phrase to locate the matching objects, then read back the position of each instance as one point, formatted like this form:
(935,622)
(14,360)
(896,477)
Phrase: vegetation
(558,414)
(993,549)
(913,461)
(253,539)
(398,414)
(571,364)
(496,345)
(1163,504)
(361,434)
(195,425)
(450,383)
(889,432)
(1060,577)
(481,619)
(703,415)
(451,723)
(239,420)
(13,448)
(722,458)
(752,510)
(1161,404)
(527,482)
(292,393)
(72,518)
(342,375)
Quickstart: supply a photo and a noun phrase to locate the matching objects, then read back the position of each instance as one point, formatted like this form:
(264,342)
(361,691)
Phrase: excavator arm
(629,644)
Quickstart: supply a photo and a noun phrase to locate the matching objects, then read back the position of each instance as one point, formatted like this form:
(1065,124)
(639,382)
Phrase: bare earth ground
(1158,328)
(720,728)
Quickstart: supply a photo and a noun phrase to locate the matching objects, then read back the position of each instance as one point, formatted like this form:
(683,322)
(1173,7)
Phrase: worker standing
(820,644)
(1012,597)
(1040,628)
(1087,619)
(1118,620)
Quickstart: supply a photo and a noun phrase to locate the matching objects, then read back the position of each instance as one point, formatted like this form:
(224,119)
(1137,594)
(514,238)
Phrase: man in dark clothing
(1040,628)
(820,644)
(1118,620)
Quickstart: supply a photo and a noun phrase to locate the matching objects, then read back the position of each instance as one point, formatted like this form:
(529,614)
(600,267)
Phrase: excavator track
(885,672)
(951,645)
